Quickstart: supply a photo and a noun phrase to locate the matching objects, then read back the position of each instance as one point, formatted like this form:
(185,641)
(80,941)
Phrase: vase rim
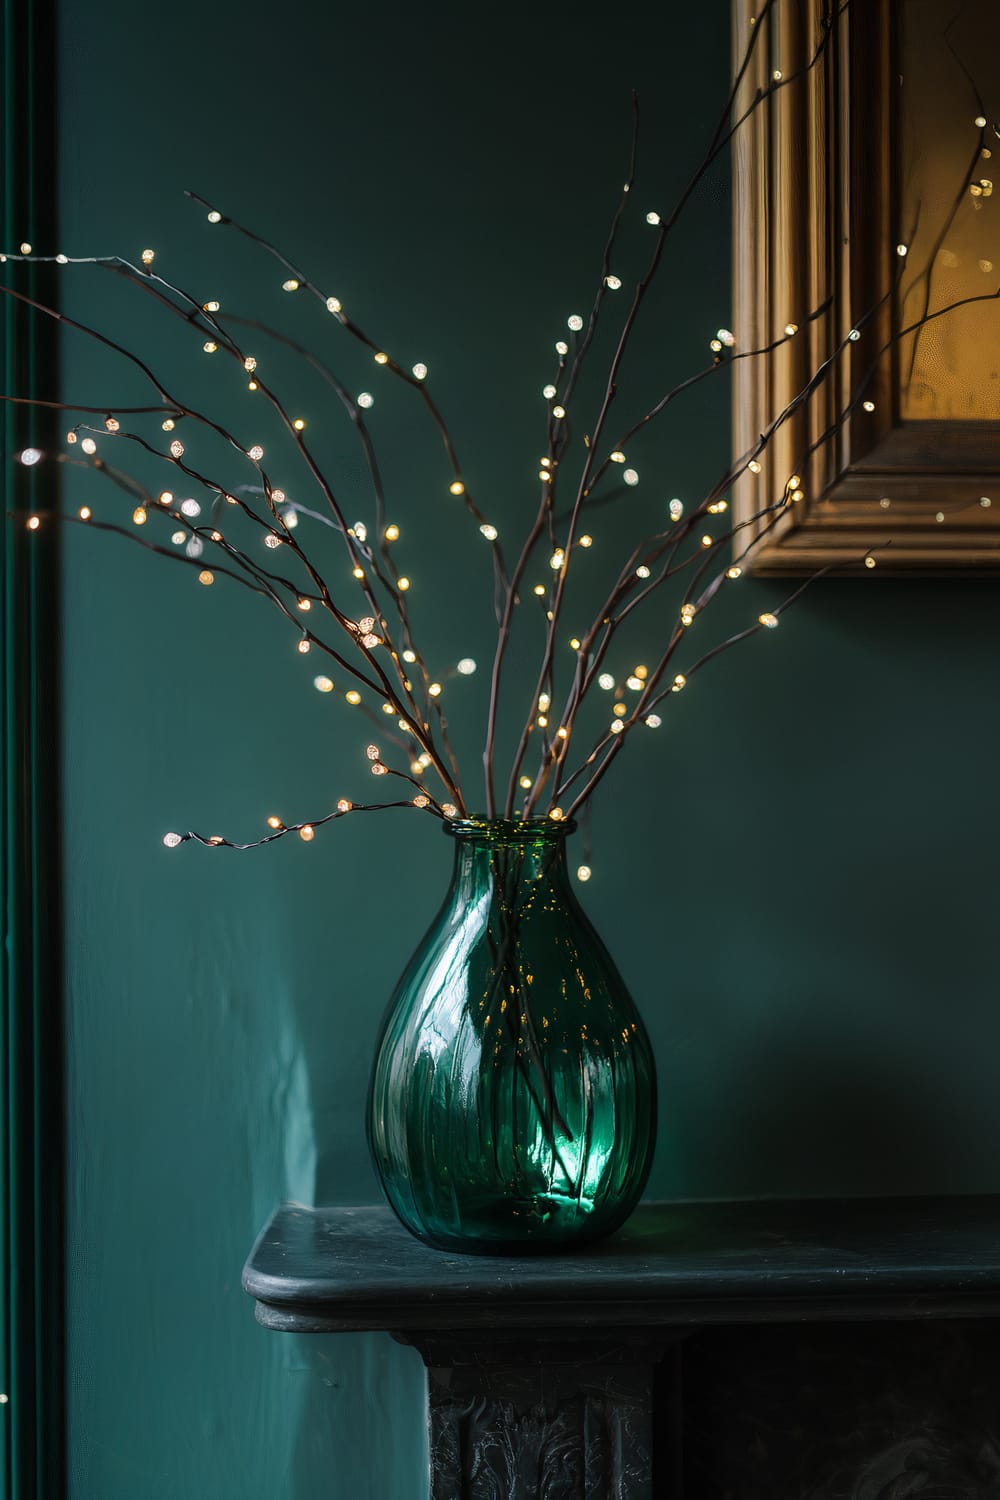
(508,830)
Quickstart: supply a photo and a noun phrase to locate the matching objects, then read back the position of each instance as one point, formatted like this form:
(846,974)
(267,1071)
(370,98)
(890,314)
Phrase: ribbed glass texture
(513,1099)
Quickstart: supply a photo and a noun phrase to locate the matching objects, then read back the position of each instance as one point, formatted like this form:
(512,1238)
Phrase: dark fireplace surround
(717,1351)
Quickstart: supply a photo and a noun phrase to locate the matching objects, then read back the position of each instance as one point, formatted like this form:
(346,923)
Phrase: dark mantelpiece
(644,1368)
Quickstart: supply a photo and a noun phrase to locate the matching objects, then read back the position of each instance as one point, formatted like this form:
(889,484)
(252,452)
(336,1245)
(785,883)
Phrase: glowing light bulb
(652,721)
(539,589)
(366,400)
(715,345)
(85,512)
(606,681)
(548,391)
(679,683)
(449,809)
(323,684)
(574,322)
(631,476)
(562,347)
(33,523)
(868,405)
(642,571)
(466,666)
(409,655)
(434,689)
(214,216)
(617,457)
(559,412)
(421,800)
(556,814)
(172,840)
(210,346)
(902,249)
(726,337)
(557,559)
(525,783)
(620,709)
(542,721)
(139,515)
(148,257)
(652,218)
(206,577)
(613,283)
(854,335)
(333,304)
(299,425)
(791,329)
(734,572)
(616,726)
(583,872)
(30,456)
(545,476)
(979,122)
(271,541)
(256,453)
(457,487)
(489,532)
(210,307)
(274,822)
(869,562)
(420,372)
(344,806)
(358,572)
(753,466)
(353,697)
(392,533)
(635,683)
(307,833)
(676,509)
(291,285)
(190,508)
(939,517)
(303,648)
(402,584)
(768,620)
(574,643)
(985,502)
(585,541)
(176,448)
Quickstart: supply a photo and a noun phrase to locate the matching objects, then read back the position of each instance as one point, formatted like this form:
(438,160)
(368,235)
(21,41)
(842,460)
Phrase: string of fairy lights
(370,647)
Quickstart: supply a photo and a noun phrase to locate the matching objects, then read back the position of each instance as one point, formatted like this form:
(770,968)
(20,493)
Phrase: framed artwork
(867,250)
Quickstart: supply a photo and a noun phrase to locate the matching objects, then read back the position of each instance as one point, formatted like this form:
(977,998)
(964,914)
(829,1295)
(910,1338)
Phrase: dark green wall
(798,875)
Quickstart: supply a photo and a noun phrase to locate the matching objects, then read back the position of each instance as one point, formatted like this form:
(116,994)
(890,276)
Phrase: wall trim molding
(32,1170)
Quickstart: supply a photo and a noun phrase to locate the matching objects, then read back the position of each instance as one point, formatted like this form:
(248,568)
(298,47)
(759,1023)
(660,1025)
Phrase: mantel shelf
(673,1265)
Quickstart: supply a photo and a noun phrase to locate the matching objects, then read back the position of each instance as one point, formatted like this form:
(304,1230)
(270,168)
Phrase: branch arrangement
(248,530)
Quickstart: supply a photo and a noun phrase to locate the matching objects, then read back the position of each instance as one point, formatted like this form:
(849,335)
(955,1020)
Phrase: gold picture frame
(818,205)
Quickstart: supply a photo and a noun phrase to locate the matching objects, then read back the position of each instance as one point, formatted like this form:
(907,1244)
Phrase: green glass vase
(512,1106)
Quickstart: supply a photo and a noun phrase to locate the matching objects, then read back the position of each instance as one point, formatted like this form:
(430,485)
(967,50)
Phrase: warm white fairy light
(768,620)
(652,218)
(715,345)
(985,501)
(435,689)
(902,249)
(307,833)
(271,541)
(206,577)
(323,684)
(854,335)
(548,391)
(797,496)
(139,515)
(291,285)
(299,424)
(388,708)
(574,643)
(524,783)
(489,532)
(449,809)
(391,533)
(545,476)
(734,572)
(726,337)
(585,540)
(718,507)
(25,248)
(421,800)
(172,840)
(753,466)
(456,487)
(210,307)
(214,217)
(542,721)
(583,872)
(366,400)
(303,604)
(634,683)
(466,667)
(194,547)
(556,814)
(409,655)
(33,523)
(559,412)
(420,372)
(148,257)
(652,721)
(343,805)
(574,322)
(791,329)
(631,476)
(868,405)
(538,590)
(642,571)
(402,584)
(30,456)
(679,683)
(179,538)
(562,347)
(869,562)
(210,346)
(606,681)
(616,726)
(274,822)
(557,559)
(85,512)
(333,304)
(303,647)
(613,283)
(675,509)
(617,457)
(688,612)
(190,508)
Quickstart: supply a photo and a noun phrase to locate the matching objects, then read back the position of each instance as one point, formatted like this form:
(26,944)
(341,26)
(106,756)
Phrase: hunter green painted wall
(798,874)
